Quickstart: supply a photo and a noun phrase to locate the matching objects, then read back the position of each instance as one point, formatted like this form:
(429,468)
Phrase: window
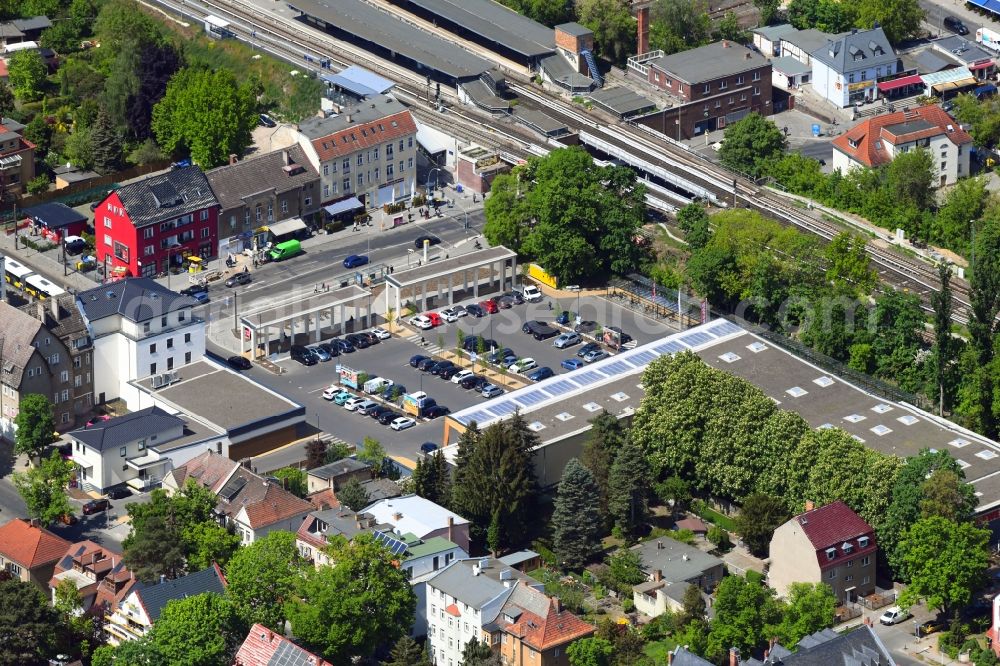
(718,103)
(64,376)
(76,362)
(147,233)
(284,205)
(756,76)
(54,359)
(204,215)
(708,88)
(944,165)
(148,251)
(401,167)
(376,174)
(400,144)
(864,75)
(107,222)
(361,180)
(145,327)
(739,80)
(848,579)
(187,338)
(723,84)
(307,201)
(334,188)
(831,574)
(107,239)
(152,368)
(361,157)
(170,343)
(142,444)
(409,142)
(850,563)
(388,171)
(862,542)
(409,163)
(170,363)
(326,169)
(346,164)
(347,185)
(65,417)
(187,357)
(180,316)
(206,232)
(14,569)
(77,381)
(375,153)
(163,322)
(152,348)
(260,212)
(122,451)
(865,560)
(743,97)
(864,581)
(831,553)
(756,90)
(850,77)
(246,216)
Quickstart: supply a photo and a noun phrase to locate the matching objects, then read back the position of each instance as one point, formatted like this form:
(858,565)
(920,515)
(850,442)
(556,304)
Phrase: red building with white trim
(144,227)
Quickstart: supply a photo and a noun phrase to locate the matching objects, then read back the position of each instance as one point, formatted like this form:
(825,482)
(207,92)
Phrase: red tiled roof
(277,504)
(324,499)
(304,533)
(696,525)
(261,644)
(866,136)
(30,546)
(364,135)
(832,525)
(558,627)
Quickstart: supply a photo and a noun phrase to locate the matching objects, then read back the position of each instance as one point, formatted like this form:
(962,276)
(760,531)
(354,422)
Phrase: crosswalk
(429,347)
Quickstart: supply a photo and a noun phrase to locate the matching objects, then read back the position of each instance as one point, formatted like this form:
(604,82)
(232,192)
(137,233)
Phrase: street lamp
(428,184)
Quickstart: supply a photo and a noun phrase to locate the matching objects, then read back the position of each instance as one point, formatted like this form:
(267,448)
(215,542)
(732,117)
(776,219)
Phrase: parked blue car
(572,363)
(541,373)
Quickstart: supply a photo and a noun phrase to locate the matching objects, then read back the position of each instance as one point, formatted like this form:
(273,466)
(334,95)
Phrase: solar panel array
(621,364)
(395,546)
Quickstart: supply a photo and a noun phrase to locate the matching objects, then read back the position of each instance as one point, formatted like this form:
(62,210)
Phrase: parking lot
(390,359)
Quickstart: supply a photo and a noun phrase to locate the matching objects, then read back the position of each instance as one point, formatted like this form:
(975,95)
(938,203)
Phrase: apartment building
(17,158)
(369,152)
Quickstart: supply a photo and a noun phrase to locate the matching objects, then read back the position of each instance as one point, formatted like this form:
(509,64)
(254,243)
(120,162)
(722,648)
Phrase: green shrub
(546,554)
(38,184)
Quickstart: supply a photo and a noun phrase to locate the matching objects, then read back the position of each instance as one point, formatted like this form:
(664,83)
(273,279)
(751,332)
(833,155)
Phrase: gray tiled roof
(682,657)
(860,647)
(17,331)
(337,468)
(166,196)
(136,299)
(121,430)
(54,215)
(774,32)
(840,55)
(709,62)
(232,183)
(575,29)
(460,581)
(156,595)
(33,23)
(676,561)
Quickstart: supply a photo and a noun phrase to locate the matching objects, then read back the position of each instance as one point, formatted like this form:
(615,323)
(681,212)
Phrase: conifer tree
(576,521)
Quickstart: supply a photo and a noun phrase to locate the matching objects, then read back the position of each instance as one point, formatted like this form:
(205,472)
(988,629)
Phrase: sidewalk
(47,264)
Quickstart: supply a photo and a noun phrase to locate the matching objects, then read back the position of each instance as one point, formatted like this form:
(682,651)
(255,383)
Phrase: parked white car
(460,375)
(381,333)
(457,311)
(331,392)
(402,423)
(422,322)
(448,316)
(532,293)
(894,615)
(523,365)
(352,403)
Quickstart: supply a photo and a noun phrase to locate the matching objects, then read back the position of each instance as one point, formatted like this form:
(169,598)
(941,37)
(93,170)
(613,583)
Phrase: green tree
(262,578)
(809,608)
(38,184)
(605,438)
(207,114)
(946,562)
(629,489)
(107,145)
(848,267)
(208,542)
(910,178)
(626,567)
(31,627)
(678,25)
(494,536)
(900,19)
(692,605)
(768,10)
(590,652)
(965,202)
(946,494)
(155,550)
(674,492)
(353,495)
(759,516)
(43,488)
(407,652)
(79,147)
(729,28)
(6,99)
(945,346)
(693,221)
(750,144)
(745,611)
(26,74)
(613,25)
(984,297)
(576,520)
(35,425)
(202,630)
(364,583)
(293,480)
(475,652)
(827,15)
(373,453)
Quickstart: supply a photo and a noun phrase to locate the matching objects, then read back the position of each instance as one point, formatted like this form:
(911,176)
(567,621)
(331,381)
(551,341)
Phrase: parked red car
(435,319)
(489,306)
(96,506)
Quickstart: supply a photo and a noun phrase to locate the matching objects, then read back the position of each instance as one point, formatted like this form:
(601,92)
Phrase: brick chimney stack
(643,36)
(810,505)
(734,656)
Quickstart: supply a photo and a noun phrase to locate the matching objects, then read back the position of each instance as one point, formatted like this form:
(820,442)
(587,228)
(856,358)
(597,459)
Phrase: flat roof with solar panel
(561,407)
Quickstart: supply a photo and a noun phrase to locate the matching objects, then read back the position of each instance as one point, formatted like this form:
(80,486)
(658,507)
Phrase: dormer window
(847,547)
(853,143)
(831,553)
(863,542)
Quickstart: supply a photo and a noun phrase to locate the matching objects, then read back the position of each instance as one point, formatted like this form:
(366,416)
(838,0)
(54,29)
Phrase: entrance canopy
(418,275)
(343,206)
(901,82)
(286,227)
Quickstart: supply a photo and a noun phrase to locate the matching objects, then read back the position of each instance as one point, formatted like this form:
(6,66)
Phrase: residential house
(878,140)
(137,449)
(716,85)
(823,648)
(801,44)
(141,607)
(139,329)
(68,174)
(30,553)
(249,504)
(412,514)
(263,647)
(767,38)
(62,319)
(17,158)
(671,567)
(260,191)
(31,28)
(314,534)
(88,565)
(337,474)
(34,359)
(831,545)
(150,226)
(847,70)
(481,599)
(368,152)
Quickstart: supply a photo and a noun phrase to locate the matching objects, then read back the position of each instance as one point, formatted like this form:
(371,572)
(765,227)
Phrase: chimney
(810,505)
(163,578)
(670,657)
(659,545)
(747,55)
(475,570)
(643,30)
(734,656)
(286,160)
(657,575)
(349,118)
(55,309)
(232,158)
(556,605)
(397,516)
(725,44)
(40,306)
(451,526)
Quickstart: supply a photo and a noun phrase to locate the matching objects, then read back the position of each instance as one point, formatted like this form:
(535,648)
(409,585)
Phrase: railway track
(293,41)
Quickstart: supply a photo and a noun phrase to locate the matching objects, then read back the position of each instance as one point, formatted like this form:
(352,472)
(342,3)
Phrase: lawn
(713,516)
(657,651)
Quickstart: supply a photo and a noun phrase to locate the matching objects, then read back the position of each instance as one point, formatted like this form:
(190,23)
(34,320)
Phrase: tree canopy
(750,144)
(43,488)
(576,520)
(31,628)
(207,114)
(262,578)
(576,219)
(26,73)
(202,630)
(35,424)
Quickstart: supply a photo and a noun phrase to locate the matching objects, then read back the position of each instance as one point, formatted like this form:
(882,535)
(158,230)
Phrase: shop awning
(344,205)
(901,82)
(981,65)
(286,227)
(954,85)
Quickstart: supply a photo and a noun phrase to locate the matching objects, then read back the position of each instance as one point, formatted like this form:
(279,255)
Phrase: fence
(640,293)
